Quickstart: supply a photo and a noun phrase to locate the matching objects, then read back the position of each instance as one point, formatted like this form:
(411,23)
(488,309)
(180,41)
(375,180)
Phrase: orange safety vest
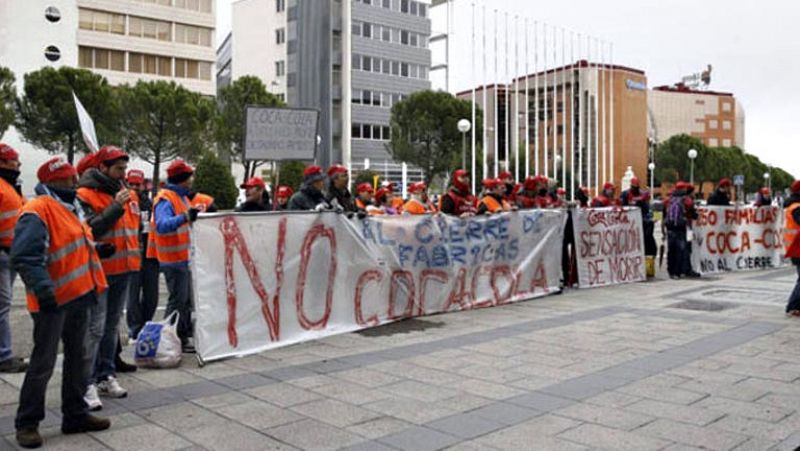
(415,207)
(494,206)
(72,262)
(397,204)
(791,233)
(124,235)
(10,204)
(201,202)
(170,247)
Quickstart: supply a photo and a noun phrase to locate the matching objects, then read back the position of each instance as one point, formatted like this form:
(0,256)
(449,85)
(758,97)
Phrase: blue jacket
(167,221)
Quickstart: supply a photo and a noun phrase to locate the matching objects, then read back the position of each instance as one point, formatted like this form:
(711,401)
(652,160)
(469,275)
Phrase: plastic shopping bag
(158,345)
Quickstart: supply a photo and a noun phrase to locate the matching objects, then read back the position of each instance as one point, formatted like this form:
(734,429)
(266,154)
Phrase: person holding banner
(170,244)
(310,197)
(202,202)
(254,189)
(385,200)
(636,197)
(338,194)
(607,197)
(418,204)
(536,194)
(722,195)
(458,201)
(791,239)
(493,201)
(511,187)
(364,201)
(764,198)
(394,201)
(282,198)
(53,252)
(560,198)
(583,197)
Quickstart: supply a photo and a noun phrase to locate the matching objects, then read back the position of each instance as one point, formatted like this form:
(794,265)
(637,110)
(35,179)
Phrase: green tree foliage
(292,174)
(366,176)
(230,123)
(214,178)
(8,95)
(161,121)
(425,131)
(46,112)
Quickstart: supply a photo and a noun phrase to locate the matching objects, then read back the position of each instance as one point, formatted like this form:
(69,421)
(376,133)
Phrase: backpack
(676,218)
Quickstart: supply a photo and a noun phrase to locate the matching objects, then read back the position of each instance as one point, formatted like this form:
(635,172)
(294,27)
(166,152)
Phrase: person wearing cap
(583,197)
(169,243)
(493,201)
(606,197)
(458,201)
(54,254)
(143,292)
(559,198)
(395,201)
(337,193)
(112,212)
(11,201)
(418,203)
(310,197)
(384,200)
(87,162)
(511,187)
(764,198)
(282,197)
(791,241)
(254,190)
(365,200)
(635,196)
(675,224)
(722,195)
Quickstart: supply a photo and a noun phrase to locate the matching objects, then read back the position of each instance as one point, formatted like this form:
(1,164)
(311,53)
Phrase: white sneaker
(91,398)
(111,388)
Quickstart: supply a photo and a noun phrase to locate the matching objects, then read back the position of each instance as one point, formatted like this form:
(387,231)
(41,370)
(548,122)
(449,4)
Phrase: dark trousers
(676,252)
(143,297)
(68,324)
(179,284)
(794,298)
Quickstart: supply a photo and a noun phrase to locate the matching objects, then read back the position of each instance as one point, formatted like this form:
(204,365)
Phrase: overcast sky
(753,46)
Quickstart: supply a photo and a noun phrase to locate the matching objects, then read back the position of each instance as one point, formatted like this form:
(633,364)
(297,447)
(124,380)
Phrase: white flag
(87,125)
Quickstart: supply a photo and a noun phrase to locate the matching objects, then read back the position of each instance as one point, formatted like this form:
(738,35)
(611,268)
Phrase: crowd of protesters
(91,244)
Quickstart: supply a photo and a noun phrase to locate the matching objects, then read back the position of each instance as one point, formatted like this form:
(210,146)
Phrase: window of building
(713,142)
(355,130)
(726,142)
(366,64)
(94,58)
(713,124)
(413,8)
(152,29)
(404,6)
(404,70)
(101,21)
(423,10)
(366,30)
(387,4)
(356,96)
(404,37)
(366,131)
(395,68)
(726,125)
(386,34)
(727,106)
(280,6)
(356,28)
(280,36)
(356,62)
(387,133)
(280,68)
(376,132)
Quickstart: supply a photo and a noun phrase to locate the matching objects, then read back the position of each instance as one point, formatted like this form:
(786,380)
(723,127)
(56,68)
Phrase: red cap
(530,183)
(365,188)
(284,192)
(765,191)
(389,186)
(135,176)
(505,175)
(110,153)
(381,194)
(336,169)
(635,182)
(491,183)
(795,188)
(87,162)
(608,186)
(254,182)
(57,168)
(725,183)
(179,167)
(460,173)
(681,185)
(584,190)
(418,187)
(561,191)
(312,170)
(7,153)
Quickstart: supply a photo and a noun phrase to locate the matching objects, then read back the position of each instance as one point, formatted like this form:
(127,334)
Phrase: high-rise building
(717,118)
(585,119)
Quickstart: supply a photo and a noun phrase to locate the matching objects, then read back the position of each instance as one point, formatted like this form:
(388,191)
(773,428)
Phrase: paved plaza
(673,365)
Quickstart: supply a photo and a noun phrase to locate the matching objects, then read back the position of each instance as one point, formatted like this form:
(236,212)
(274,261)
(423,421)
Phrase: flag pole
(555,104)
(507,109)
(527,107)
(563,107)
(516,98)
(472,122)
(613,69)
(496,100)
(536,135)
(572,112)
(546,104)
(581,107)
(596,140)
(485,147)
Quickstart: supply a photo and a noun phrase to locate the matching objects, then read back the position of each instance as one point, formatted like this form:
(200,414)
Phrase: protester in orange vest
(493,201)
(384,199)
(10,203)
(791,239)
(394,201)
(282,197)
(54,254)
(365,200)
(607,197)
(418,204)
(112,212)
(169,243)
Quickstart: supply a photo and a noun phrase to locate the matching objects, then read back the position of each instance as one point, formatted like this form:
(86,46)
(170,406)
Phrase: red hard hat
(179,167)
(561,191)
(635,182)
(110,153)
(491,183)
(336,169)
(7,153)
(365,188)
(57,168)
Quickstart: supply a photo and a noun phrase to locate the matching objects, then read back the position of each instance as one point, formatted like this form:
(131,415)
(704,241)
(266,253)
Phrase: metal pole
(572,112)
(563,108)
(580,112)
(536,155)
(527,107)
(613,69)
(507,109)
(485,146)
(555,103)
(516,98)
(496,102)
(347,92)
(546,109)
(473,136)
(463,150)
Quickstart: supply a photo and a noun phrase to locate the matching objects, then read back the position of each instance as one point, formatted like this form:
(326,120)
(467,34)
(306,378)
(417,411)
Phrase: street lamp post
(652,167)
(692,154)
(464,126)
(768,181)
(558,165)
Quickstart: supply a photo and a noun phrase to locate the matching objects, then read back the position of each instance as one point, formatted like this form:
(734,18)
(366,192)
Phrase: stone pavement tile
(757,444)
(160,378)
(217,401)
(244,381)
(379,427)
(583,387)
(312,435)
(215,371)
(746,409)
(368,446)
(602,437)
(225,435)
(419,391)
(605,416)
(540,401)
(464,402)
(428,376)
(531,383)
(466,425)
(506,414)
(486,389)
(707,438)
(489,374)
(772,386)
(419,438)
(785,401)
(133,437)
(55,440)
(283,394)
(411,410)
(313,381)
(198,390)
(258,414)
(367,377)
(546,372)
(774,431)
(790,444)
(150,399)
(181,416)
(335,412)
(529,434)
(725,390)
(288,373)
(691,414)
(613,399)
(470,446)
(351,393)
(668,394)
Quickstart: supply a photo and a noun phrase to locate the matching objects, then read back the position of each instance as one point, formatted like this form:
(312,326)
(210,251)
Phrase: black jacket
(250,206)
(101,221)
(308,199)
(343,197)
(719,199)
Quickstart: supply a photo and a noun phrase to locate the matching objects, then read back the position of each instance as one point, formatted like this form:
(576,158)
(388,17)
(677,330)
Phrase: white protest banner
(737,239)
(280,133)
(609,246)
(262,281)
(87,125)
